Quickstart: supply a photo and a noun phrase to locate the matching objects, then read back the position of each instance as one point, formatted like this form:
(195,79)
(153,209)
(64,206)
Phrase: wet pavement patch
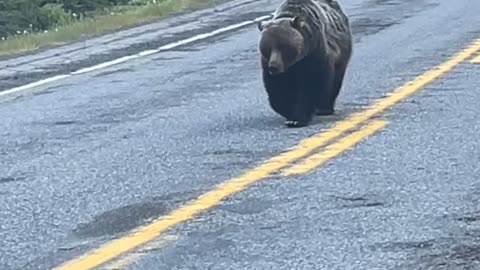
(464,257)
(459,252)
(128,217)
(121,219)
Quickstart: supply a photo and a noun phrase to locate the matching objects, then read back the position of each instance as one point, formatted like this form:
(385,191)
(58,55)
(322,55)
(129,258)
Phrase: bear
(305,49)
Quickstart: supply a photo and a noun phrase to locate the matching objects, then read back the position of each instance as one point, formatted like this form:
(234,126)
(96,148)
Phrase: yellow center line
(335,149)
(144,234)
(476,60)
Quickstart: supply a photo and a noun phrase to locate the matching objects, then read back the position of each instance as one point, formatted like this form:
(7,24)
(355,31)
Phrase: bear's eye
(265,50)
(289,53)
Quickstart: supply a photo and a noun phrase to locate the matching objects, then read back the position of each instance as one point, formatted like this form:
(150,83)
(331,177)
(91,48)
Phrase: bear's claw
(294,124)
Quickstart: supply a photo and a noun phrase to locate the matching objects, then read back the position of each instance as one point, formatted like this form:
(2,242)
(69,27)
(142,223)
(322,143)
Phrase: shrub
(19,16)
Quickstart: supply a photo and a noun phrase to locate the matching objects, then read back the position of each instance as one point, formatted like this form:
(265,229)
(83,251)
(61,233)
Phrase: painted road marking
(137,255)
(336,149)
(146,233)
(476,60)
(310,163)
(134,56)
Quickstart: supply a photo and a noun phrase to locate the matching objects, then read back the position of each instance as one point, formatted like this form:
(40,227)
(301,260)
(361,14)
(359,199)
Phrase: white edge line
(34,84)
(105,64)
(133,56)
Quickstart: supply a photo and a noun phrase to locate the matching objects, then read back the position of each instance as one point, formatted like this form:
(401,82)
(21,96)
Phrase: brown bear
(305,49)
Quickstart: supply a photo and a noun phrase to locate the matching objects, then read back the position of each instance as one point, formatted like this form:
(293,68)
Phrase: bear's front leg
(303,108)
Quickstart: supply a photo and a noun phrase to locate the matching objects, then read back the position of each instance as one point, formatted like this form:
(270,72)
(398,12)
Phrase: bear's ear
(297,22)
(261,25)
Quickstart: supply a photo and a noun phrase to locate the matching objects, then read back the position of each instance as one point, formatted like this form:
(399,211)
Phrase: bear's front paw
(295,124)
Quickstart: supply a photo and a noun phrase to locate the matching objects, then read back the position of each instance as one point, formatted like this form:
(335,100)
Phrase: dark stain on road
(470,219)
(128,217)
(64,123)
(121,219)
(453,253)
(10,179)
(461,257)
(356,201)
(456,248)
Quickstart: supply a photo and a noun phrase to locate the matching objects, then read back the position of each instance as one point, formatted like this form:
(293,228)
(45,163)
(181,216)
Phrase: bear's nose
(273,69)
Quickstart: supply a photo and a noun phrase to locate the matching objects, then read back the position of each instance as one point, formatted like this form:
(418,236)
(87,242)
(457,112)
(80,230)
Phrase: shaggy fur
(305,50)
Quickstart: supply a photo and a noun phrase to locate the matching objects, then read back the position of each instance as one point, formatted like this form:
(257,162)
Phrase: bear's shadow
(275,122)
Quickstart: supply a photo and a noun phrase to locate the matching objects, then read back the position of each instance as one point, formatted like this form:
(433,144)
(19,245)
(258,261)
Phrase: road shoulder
(33,67)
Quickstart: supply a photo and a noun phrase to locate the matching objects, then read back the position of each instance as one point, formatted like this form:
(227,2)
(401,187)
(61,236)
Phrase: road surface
(88,159)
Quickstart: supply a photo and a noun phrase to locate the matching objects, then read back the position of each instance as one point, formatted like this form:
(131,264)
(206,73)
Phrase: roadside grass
(120,17)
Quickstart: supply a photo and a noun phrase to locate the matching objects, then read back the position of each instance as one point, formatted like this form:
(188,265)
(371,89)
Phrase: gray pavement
(88,158)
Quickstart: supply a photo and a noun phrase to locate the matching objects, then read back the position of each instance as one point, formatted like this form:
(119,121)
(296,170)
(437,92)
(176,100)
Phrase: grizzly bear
(305,49)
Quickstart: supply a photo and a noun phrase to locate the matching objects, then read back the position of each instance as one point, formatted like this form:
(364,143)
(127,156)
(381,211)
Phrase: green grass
(122,17)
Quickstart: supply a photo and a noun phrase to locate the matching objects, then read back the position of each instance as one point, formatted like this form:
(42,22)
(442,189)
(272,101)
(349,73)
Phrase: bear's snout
(273,69)
(275,65)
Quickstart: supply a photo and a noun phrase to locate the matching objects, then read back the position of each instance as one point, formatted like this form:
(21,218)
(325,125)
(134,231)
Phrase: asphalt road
(88,158)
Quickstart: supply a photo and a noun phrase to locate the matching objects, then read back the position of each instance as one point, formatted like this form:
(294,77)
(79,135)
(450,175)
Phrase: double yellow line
(149,232)
(335,149)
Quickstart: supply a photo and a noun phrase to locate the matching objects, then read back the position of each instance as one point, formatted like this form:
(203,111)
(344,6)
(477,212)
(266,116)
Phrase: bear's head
(282,43)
